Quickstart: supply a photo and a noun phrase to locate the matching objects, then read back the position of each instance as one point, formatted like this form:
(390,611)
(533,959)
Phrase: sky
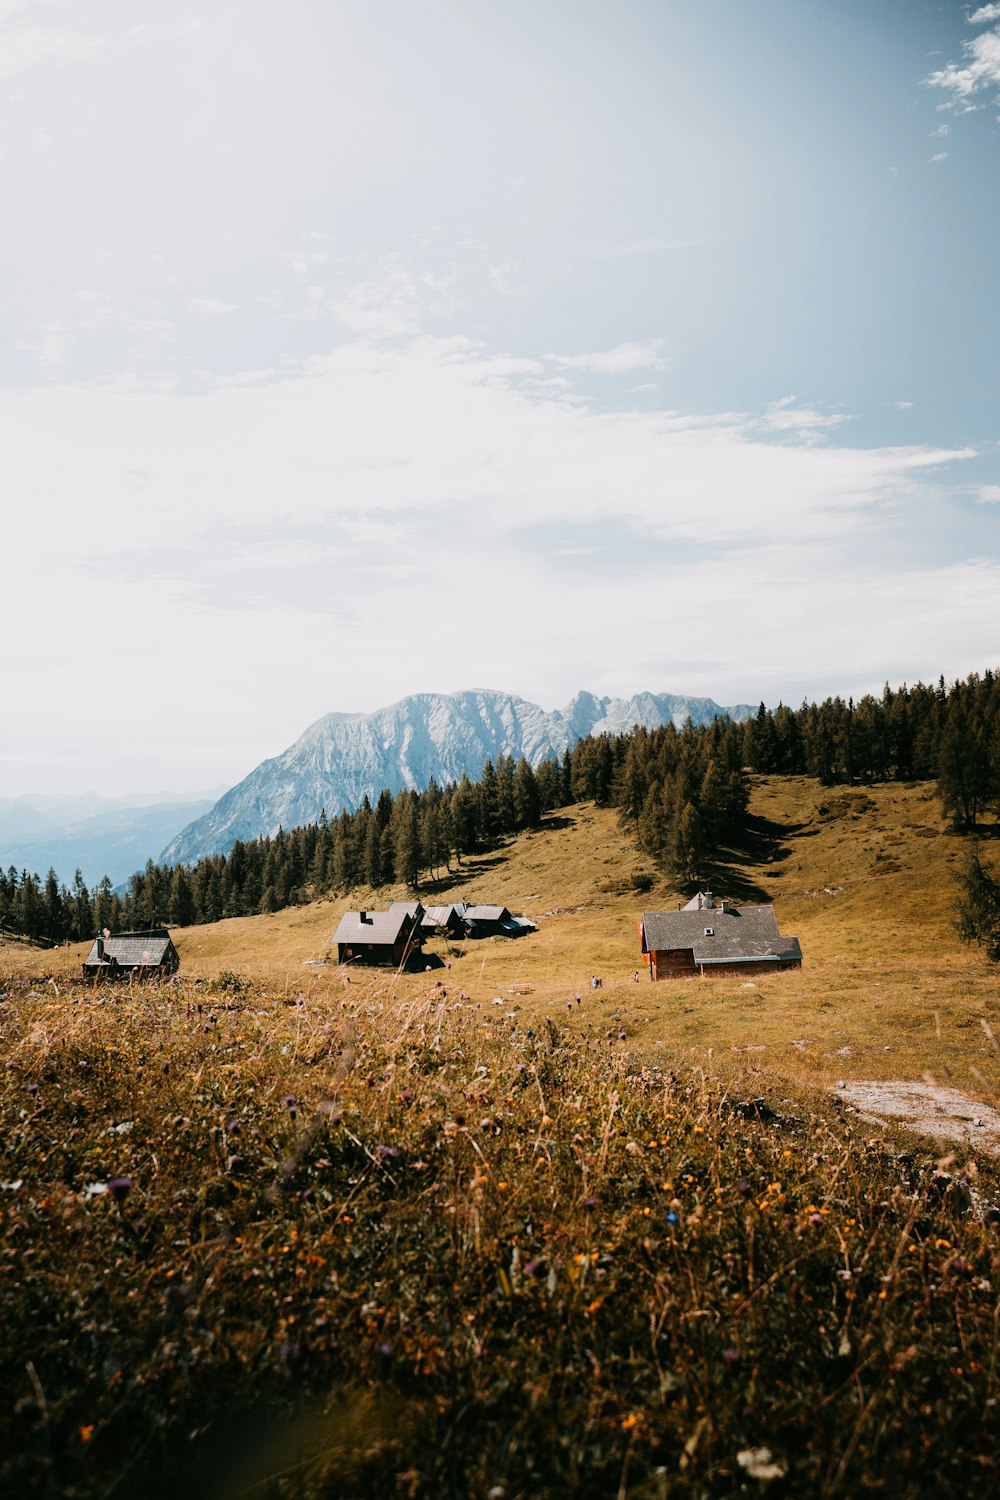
(352,350)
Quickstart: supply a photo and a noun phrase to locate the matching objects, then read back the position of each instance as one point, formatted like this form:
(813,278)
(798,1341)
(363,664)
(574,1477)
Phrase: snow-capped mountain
(343,757)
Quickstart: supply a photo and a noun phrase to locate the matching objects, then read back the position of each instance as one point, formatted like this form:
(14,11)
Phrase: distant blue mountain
(67,834)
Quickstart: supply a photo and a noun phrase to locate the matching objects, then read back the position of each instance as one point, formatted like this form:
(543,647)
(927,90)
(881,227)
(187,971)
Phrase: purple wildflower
(387,1151)
(175,1297)
(119,1187)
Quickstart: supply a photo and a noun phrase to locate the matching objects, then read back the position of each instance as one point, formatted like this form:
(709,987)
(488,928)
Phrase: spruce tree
(978,912)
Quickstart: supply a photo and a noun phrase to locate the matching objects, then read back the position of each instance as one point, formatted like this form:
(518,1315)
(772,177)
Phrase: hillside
(343,758)
(864,877)
(280,1234)
(284,1232)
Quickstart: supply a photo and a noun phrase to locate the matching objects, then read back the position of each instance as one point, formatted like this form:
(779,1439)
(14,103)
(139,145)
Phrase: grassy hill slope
(864,877)
(277,1231)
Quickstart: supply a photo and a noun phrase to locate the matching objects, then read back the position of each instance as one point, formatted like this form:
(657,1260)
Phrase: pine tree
(527,800)
(487,808)
(53,915)
(180,902)
(373,853)
(406,841)
(978,913)
(82,918)
(689,844)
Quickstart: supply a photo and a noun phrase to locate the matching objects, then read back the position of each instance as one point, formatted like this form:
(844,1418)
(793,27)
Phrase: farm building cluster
(397,936)
(706,937)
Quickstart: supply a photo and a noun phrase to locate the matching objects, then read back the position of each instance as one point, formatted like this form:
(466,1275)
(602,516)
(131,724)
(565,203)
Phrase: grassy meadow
(273,1229)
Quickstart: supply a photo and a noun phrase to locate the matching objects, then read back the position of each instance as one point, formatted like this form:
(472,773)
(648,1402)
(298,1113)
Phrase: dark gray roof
(132,949)
(412,908)
(438,916)
(382,927)
(740,934)
(486,913)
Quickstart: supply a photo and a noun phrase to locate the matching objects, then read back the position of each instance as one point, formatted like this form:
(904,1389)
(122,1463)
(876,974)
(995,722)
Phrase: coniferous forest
(683,794)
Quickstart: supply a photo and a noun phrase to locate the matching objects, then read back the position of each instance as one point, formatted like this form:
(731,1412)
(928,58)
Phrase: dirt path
(944,1113)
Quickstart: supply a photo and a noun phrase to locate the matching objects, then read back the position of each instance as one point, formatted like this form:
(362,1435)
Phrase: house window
(710,932)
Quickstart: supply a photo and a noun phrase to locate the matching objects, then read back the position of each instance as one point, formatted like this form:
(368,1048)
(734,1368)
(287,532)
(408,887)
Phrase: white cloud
(989,494)
(213,307)
(940,156)
(980,69)
(902,405)
(784,415)
(27,43)
(643,355)
(984,15)
(303,530)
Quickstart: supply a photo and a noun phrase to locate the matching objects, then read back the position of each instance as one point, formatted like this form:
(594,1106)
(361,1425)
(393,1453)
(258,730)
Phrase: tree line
(682,793)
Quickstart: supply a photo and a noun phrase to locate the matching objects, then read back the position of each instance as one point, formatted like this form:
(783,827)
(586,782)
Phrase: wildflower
(385,1349)
(534,1266)
(175,1298)
(87,1432)
(759,1463)
(670,1216)
(232,1127)
(119,1187)
(743,1187)
(731,1359)
(386,1152)
(32,1088)
(589,1203)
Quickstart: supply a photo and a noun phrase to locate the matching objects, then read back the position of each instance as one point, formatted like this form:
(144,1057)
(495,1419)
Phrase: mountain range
(96,835)
(344,757)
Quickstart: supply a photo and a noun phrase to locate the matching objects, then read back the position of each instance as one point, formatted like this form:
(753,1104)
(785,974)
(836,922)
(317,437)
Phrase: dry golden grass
(864,877)
(277,1230)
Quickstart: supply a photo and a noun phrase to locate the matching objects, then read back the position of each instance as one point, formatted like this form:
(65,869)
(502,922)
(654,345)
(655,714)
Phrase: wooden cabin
(494,921)
(710,937)
(377,938)
(448,920)
(143,955)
